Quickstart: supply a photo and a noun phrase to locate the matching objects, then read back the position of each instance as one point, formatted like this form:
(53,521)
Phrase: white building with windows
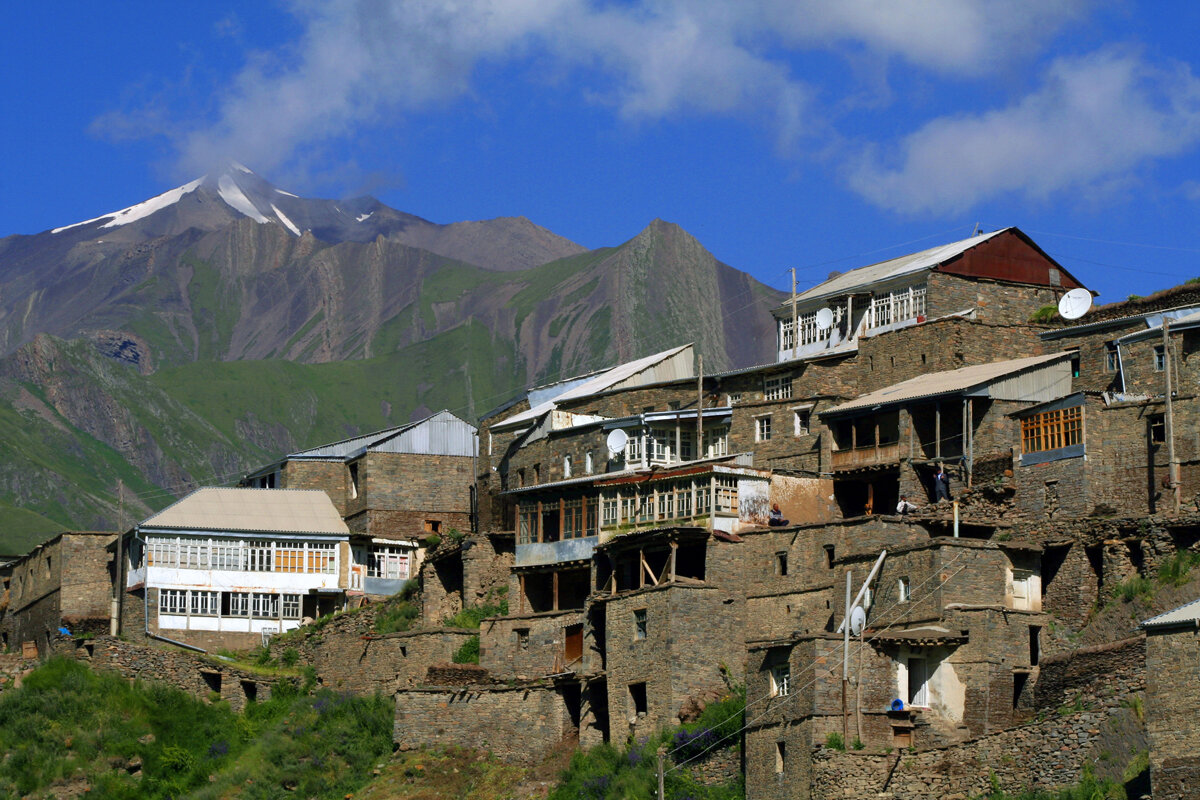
(224,567)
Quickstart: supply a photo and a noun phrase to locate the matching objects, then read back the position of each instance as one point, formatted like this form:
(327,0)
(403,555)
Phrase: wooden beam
(674,551)
(556,590)
(522,599)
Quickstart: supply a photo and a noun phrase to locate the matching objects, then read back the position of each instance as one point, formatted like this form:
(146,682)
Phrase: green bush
(1044,314)
(289,657)
(468,653)
(834,741)
(494,605)
(1134,587)
(1176,569)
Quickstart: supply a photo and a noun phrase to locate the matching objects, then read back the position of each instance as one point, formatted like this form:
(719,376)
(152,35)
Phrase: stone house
(394,488)
(228,567)
(892,441)
(64,582)
(952,638)
(1002,277)
(1172,698)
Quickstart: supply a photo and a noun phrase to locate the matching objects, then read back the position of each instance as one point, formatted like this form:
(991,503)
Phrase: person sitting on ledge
(904,507)
(777,520)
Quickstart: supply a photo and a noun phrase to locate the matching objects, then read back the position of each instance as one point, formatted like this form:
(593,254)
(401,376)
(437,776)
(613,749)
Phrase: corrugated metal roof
(1187,614)
(291,511)
(1179,319)
(620,375)
(951,382)
(893,268)
(440,434)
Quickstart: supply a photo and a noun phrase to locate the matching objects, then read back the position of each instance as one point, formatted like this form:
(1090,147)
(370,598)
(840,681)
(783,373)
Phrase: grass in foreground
(69,730)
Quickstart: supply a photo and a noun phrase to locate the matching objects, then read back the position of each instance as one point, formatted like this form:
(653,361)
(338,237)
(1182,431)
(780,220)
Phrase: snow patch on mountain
(287,222)
(289,194)
(236,198)
(363,217)
(141,210)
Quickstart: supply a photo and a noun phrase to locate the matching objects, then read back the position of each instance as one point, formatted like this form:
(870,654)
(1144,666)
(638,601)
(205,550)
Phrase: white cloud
(359,61)
(1094,120)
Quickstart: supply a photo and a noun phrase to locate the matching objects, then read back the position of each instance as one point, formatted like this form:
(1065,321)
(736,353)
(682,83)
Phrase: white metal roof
(442,434)
(954,381)
(893,268)
(1186,614)
(291,511)
(1184,318)
(603,381)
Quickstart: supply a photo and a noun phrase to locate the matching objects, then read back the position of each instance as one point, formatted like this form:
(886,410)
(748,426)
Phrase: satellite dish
(824,319)
(1075,303)
(858,620)
(616,441)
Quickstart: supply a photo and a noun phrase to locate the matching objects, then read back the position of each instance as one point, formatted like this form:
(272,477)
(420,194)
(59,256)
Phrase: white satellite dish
(1075,303)
(616,442)
(824,319)
(858,620)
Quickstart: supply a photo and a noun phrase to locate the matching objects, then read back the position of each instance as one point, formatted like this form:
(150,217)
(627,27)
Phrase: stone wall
(1043,755)
(518,724)
(526,647)
(690,633)
(1006,303)
(414,482)
(331,477)
(349,656)
(203,676)
(1172,697)
(62,582)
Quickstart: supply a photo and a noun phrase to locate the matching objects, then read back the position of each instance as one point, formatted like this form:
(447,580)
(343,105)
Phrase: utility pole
(114,622)
(846,665)
(700,408)
(1169,416)
(795,330)
(662,753)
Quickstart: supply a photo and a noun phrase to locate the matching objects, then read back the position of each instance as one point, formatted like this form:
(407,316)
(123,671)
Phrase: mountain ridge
(166,359)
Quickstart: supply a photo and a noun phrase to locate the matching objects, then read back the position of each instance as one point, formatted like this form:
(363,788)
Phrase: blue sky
(781,133)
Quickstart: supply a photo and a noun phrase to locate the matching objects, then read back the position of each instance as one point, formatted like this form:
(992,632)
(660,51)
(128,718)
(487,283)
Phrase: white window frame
(801,420)
(781,680)
(566,466)
(762,428)
(389,562)
(777,388)
(290,606)
(903,590)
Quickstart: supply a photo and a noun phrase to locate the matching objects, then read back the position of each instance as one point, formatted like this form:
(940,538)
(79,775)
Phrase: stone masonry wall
(191,672)
(519,724)
(1172,697)
(330,477)
(413,482)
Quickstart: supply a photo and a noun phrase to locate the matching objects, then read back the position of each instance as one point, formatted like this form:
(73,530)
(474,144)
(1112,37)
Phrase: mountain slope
(195,342)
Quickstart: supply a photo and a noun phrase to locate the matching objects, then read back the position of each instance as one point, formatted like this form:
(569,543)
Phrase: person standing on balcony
(941,485)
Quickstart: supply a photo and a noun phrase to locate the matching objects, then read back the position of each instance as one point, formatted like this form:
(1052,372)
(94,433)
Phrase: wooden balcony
(872,456)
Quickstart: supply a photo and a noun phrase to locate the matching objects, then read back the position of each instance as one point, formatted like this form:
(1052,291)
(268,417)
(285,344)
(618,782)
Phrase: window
(800,421)
(172,601)
(1158,428)
(780,756)
(264,606)
(762,428)
(716,442)
(566,466)
(687,445)
(903,590)
(291,606)
(1160,358)
(354,480)
(236,604)
(639,624)
(204,603)
(727,495)
(1051,430)
(777,388)
(660,445)
(522,635)
(433,525)
(289,557)
(637,699)
(1112,357)
(390,563)
(781,564)
(587,462)
(633,449)
(733,398)
(781,680)
(666,504)
(608,514)
(829,555)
